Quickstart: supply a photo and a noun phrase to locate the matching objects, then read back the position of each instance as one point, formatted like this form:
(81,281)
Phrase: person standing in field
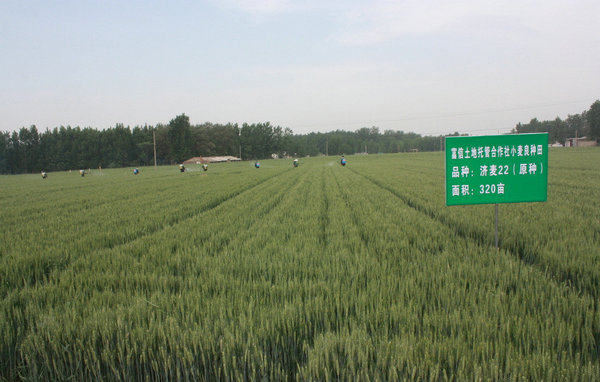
(343,161)
(295,162)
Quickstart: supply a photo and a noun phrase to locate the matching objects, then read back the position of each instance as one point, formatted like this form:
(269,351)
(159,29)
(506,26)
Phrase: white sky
(429,67)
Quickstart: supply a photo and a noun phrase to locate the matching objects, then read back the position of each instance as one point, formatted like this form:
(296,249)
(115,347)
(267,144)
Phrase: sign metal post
(496,233)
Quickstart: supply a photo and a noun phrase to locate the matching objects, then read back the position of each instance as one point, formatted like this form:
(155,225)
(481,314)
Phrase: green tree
(4,139)
(261,140)
(30,146)
(144,146)
(593,121)
(180,138)
(203,144)
(576,124)
(123,146)
(14,154)
(225,139)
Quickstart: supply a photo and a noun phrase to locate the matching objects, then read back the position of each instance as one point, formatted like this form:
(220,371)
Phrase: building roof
(199,160)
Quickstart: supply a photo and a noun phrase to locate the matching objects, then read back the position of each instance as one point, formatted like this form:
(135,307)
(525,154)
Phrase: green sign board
(496,169)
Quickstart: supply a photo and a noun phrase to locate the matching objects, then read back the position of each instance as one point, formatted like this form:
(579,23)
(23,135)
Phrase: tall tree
(180,138)
(4,139)
(30,146)
(14,155)
(576,123)
(144,147)
(593,121)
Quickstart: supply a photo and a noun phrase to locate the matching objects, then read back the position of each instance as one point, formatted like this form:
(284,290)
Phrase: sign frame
(492,169)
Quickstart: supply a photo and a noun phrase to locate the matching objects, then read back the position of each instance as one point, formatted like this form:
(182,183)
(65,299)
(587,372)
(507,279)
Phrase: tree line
(64,148)
(586,124)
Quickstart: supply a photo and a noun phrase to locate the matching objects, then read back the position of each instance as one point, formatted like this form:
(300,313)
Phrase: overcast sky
(430,67)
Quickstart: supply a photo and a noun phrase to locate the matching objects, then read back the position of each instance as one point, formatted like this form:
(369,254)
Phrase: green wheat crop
(319,272)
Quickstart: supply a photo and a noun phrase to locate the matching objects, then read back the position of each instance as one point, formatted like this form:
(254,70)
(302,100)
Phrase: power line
(446,115)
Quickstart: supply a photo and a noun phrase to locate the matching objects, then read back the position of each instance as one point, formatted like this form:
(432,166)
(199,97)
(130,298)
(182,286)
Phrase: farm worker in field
(44,175)
(295,162)
(136,171)
(82,172)
(343,161)
(205,167)
(256,164)
(181,167)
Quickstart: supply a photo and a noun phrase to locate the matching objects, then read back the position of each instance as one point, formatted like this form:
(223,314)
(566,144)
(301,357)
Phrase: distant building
(579,142)
(200,160)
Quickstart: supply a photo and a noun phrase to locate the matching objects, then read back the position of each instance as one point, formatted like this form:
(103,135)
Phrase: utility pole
(240,141)
(154,141)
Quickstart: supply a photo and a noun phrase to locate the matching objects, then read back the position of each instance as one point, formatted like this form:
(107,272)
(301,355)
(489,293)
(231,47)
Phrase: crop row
(52,228)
